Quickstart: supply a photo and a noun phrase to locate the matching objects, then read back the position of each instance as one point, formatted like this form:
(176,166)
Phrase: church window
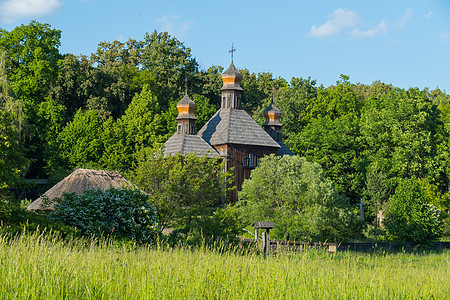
(252,160)
(245,161)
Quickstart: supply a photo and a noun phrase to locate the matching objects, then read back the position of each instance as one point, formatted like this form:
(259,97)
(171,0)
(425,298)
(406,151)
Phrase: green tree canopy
(13,162)
(170,62)
(292,102)
(79,144)
(411,215)
(141,126)
(331,136)
(32,56)
(31,64)
(295,195)
(183,188)
(403,136)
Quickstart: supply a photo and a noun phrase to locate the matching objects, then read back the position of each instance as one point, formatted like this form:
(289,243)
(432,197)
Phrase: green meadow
(41,266)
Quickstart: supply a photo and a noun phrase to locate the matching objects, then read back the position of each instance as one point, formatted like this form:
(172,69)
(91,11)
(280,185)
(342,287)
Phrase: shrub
(16,219)
(411,214)
(222,224)
(183,188)
(295,195)
(121,213)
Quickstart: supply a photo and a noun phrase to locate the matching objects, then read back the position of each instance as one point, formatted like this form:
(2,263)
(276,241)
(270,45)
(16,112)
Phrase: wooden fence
(275,245)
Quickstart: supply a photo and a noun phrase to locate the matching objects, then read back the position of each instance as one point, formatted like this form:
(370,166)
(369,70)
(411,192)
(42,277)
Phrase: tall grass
(44,267)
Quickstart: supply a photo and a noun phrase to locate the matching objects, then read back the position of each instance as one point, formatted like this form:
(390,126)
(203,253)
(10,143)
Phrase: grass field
(41,267)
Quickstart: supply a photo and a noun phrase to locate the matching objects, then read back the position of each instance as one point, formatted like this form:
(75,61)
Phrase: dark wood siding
(235,154)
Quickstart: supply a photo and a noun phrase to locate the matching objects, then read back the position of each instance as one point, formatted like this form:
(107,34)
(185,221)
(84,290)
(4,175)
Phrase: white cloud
(346,22)
(428,15)
(407,16)
(337,21)
(443,37)
(381,29)
(12,10)
(174,25)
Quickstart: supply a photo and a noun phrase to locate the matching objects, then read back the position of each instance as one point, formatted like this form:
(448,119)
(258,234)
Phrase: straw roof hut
(79,181)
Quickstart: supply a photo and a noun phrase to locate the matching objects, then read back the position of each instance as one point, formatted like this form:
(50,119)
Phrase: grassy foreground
(41,267)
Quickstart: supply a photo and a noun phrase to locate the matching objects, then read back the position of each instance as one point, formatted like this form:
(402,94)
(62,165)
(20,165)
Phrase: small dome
(272,115)
(231,76)
(186,108)
(232,72)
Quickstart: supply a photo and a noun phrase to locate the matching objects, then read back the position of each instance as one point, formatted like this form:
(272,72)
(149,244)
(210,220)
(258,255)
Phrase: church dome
(186,108)
(232,73)
(272,115)
(232,78)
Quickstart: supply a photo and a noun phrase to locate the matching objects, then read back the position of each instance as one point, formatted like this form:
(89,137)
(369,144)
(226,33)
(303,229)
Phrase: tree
(51,117)
(331,137)
(258,92)
(208,83)
(13,163)
(75,83)
(170,62)
(374,91)
(121,213)
(119,78)
(182,188)
(31,64)
(376,192)
(31,59)
(295,195)
(79,144)
(204,111)
(292,102)
(141,126)
(411,216)
(403,135)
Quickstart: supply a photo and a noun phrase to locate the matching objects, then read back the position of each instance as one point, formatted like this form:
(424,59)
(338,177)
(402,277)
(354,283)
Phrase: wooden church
(231,133)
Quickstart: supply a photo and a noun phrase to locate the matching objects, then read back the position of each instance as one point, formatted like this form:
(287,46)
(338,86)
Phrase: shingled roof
(284,150)
(188,143)
(235,126)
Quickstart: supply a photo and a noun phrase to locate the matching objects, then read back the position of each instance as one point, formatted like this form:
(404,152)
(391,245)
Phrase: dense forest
(61,111)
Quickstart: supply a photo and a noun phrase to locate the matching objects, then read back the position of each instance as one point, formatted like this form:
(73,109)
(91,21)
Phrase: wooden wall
(235,154)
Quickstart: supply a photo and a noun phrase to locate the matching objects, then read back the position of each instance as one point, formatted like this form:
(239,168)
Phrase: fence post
(265,242)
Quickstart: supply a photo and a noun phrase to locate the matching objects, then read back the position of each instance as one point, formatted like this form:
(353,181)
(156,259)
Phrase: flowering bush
(121,213)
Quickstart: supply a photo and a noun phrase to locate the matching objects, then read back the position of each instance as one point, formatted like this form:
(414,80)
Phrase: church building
(230,133)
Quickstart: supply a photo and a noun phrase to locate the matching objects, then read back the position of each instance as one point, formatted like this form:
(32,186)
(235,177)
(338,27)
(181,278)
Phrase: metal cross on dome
(232,52)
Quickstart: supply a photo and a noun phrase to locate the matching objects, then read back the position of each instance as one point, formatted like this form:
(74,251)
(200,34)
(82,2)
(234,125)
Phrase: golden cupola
(186,115)
(273,124)
(231,89)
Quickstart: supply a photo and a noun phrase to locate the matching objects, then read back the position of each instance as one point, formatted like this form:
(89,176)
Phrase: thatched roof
(79,181)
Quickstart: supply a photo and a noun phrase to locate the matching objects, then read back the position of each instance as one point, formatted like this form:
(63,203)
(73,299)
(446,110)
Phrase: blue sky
(406,43)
